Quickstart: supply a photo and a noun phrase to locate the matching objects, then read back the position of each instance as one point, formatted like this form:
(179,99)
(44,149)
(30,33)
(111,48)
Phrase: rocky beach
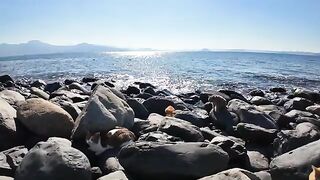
(268,134)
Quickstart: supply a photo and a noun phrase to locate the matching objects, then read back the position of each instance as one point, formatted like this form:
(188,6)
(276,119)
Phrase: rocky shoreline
(262,135)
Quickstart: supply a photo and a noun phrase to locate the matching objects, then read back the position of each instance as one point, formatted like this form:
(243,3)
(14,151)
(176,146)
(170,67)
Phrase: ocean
(176,71)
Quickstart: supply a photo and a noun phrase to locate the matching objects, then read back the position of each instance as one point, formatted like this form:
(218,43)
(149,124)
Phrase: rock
(38,92)
(69,81)
(150,90)
(78,86)
(288,140)
(75,97)
(109,164)
(209,134)
(143,85)
(6,178)
(263,175)
(103,111)
(255,117)
(308,94)
(12,97)
(71,108)
(191,117)
(205,95)
(257,92)
(5,78)
(141,160)
(315,109)
(233,95)
(10,160)
(180,128)
(224,120)
(278,90)
(54,159)
(96,173)
(117,175)
(303,116)
(296,164)
(139,110)
(45,118)
(158,136)
(144,96)
(297,103)
(141,127)
(235,105)
(257,100)
(89,79)
(257,161)
(132,90)
(51,87)
(232,174)
(157,104)
(236,151)
(9,137)
(38,84)
(256,134)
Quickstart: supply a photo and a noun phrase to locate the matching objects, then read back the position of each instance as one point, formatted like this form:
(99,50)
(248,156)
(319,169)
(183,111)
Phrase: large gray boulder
(296,164)
(10,160)
(256,134)
(232,174)
(103,111)
(12,97)
(288,140)
(150,160)
(52,160)
(181,128)
(45,118)
(297,103)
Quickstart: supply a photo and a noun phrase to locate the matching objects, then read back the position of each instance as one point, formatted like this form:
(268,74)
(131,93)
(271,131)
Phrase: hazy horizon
(288,25)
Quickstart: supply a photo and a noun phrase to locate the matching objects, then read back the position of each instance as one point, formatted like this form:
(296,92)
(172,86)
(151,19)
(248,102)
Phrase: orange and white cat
(170,111)
(116,138)
(315,174)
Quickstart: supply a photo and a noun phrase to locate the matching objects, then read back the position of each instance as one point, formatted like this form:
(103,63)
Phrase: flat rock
(10,160)
(258,100)
(297,103)
(52,160)
(12,97)
(296,164)
(315,109)
(117,175)
(256,134)
(180,128)
(177,161)
(257,161)
(45,118)
(232,174)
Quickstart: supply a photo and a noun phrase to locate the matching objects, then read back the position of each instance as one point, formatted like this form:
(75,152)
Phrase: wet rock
(263,175)
(180,128)
(72,109)
(51,87)
(257,92)
(45,118)
(78,86)
(191,117)
(75,97)
(257,100)
(5,78)
(278,90)
(308,94)
(117,175)
(150,90)
(303,116)
(158,104)
(209,134)
(69,81)
(297,103)
(104,111)
(255,117)
(141,160)
(10,160)
(143,85)
(139,110)
(38,92)
(288,140)
(205,95)
(231,174)
(256,134)
(38,84)
(158,136)
(233,95)
(54,159)
(89,79)
(12,97)
(132,90)
(296,164)
(235,105)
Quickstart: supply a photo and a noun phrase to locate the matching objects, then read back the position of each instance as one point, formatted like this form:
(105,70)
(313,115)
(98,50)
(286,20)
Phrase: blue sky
(290,25)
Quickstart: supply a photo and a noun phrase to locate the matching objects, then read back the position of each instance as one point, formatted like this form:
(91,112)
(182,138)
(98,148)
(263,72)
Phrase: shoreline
(217,130)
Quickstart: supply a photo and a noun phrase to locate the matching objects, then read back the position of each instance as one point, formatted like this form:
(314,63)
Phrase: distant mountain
(38,47)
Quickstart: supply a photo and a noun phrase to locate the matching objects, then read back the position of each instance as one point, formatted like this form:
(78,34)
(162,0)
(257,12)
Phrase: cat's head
(170,111)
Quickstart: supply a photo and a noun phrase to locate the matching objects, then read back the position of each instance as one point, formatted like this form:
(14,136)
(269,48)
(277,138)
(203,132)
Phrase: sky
(282,25)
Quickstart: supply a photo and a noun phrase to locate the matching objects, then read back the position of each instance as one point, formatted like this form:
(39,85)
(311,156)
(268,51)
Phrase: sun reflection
(138,53)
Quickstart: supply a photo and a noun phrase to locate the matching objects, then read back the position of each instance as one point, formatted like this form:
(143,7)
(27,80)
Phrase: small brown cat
(104,140)
(170,111)
(315,174)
